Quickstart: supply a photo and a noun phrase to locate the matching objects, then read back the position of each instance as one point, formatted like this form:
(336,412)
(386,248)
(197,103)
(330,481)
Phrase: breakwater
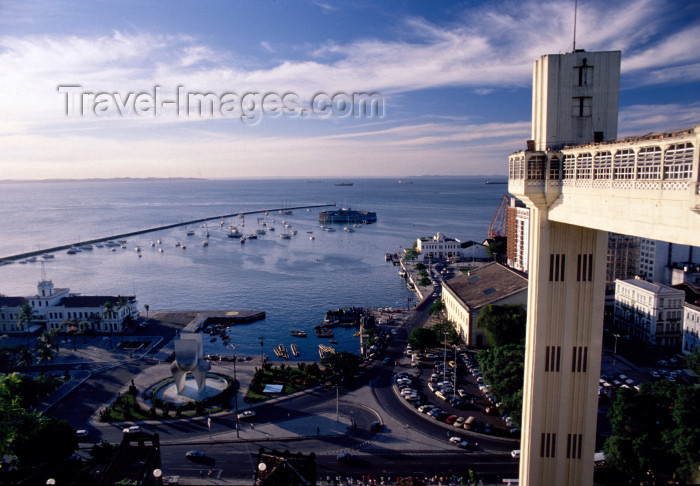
(29,254)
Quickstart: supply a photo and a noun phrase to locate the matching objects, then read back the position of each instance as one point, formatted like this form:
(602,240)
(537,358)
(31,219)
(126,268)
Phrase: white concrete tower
(575,98)
(575,101)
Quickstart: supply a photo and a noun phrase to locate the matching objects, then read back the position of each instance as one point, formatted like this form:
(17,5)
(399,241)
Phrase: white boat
(242,240)
(235,233)
(31,259)
(47,256)
(285,236)
(160,250)
(271,228)
(152,244)
(312,237)
(251,236)
(114,248)
(111,243)
(137,249)
(86,247)
(205,243)
(293,232)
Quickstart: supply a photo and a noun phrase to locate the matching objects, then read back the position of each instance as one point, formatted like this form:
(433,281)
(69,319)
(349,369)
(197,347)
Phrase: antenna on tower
(43,272)
(575,9)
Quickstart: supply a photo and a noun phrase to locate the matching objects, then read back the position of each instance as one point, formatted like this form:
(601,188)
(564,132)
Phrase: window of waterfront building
(602,163)
(583,166)
(569,167)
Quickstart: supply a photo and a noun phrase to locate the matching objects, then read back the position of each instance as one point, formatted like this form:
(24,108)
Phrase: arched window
(649,163)
(678,161)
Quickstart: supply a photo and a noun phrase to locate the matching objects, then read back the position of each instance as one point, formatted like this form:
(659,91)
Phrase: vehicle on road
(451,419)
(134,429)
(515,454)
(426,408)
(81,433)
(455,440)
(459,422)
(247,415)
(194,454)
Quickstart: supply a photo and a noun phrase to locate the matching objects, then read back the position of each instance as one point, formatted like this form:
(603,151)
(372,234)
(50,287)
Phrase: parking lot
(449,388)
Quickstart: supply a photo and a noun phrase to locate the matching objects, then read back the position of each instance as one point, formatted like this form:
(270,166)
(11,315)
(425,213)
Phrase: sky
(314,88)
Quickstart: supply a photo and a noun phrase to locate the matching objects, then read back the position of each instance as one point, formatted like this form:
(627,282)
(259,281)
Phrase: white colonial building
(691,328)
(650,312)
(439,246)
(53,306)
(465,296)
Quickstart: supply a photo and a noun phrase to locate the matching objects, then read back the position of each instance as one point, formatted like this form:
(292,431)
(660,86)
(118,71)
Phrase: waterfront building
(439,246)
(465,296)
(518,221)
(474,251)
(52,306)
(650,312)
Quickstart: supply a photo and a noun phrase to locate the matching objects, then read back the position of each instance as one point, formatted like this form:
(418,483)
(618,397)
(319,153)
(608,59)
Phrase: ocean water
(294,281)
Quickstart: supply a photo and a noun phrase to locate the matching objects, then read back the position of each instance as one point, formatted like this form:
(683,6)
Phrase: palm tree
(108,310)
(44,350)
(25,317)
(24,357)
(146,306)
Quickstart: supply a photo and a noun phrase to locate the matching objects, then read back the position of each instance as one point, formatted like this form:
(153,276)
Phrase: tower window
(581,106)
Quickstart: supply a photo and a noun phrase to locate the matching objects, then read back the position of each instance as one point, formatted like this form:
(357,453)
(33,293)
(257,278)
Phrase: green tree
(343,363)
(40,439)
(446,326)
(424,282)
(419,266)
(25,317)
(436,307)
(422,338)
(146,306)
(502,367)
(656,428)
(496,248)
(503,324)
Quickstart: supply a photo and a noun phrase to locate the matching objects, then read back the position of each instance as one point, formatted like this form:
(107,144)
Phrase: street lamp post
(615,349)
(454,387)
(337,393)
(262,356)
(233,347)
(444,355)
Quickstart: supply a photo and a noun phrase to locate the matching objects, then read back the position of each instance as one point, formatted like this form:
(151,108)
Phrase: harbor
(121,236)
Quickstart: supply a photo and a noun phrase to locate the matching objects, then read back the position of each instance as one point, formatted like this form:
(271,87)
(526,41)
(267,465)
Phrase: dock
(29,254)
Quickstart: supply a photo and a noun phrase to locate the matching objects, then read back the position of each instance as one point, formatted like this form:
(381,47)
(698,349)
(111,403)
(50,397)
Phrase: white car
(81,433)
(515,454)
(455,440)
(248,414)
(134,429)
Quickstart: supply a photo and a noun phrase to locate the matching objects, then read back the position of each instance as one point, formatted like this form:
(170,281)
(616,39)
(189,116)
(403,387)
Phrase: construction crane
(499,224)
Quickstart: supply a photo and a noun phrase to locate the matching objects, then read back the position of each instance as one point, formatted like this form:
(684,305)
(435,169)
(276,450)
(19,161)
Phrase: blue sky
(454,79)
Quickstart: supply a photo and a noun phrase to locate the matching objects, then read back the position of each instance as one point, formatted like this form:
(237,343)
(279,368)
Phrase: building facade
(657,259)
(53,306)
(518,235)
(691,327)
(622,263)
(650,312)
(439,246)
(465,296)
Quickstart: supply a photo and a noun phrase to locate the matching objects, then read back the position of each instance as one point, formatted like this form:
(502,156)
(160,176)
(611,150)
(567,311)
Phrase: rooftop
(486,285)
(649,286)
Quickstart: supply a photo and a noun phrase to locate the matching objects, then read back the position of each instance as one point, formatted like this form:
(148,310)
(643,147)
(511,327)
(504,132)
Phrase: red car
(451,419)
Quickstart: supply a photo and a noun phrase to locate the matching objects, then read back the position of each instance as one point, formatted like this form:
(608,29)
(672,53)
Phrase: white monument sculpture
(188,358)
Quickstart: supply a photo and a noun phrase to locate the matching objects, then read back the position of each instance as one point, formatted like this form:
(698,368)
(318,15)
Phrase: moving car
(134,429)
(194,454)
(247,415)
(81,433)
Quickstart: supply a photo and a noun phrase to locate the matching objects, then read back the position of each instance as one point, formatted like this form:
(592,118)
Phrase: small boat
(260,231)
(293,232)
(206,234)
(111,244)
(333,341)
(285,236)
(212,340)
(72,251)
(178,244)
(123,246)
(23,262)
(297,333)
(271,228)
(357,334)
(205,243)
(158,241)
(86,247)
(159,249)
(114,249)
(295,350)
(99,245)
(184,247)
(251,236)
(47,256)
(242,240)
(312,237)
(152,244)
(285,211)
(235,233)
(190,233)
(31,259)
(137,249)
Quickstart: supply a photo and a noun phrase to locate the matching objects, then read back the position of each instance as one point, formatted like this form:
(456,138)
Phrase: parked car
(461,392)
(488,428)
(451,419)
(247,415)
(81,433)
(470,423)
(425,408)
(459,422)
